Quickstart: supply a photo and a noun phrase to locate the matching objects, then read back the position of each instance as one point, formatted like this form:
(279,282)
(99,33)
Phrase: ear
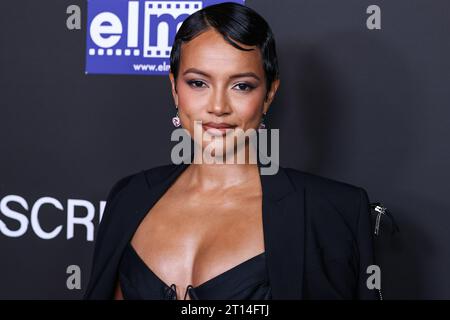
(174,88)
(271,95)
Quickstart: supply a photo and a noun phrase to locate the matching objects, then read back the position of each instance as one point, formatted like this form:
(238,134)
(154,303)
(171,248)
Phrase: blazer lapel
(283,223)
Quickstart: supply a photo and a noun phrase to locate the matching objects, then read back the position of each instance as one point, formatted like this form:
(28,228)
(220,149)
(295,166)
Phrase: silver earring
(262,125)
(176,120)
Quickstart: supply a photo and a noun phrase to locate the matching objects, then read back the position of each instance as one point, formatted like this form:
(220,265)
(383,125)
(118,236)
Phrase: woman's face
(220,85)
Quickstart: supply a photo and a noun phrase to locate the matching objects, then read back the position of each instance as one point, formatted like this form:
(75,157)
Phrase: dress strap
(188,288)
(171,292)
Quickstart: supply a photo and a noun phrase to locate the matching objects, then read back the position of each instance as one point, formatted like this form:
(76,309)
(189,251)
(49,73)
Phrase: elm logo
(135,37)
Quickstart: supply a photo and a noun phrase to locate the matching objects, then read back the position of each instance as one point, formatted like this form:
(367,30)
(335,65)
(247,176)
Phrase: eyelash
(249,86)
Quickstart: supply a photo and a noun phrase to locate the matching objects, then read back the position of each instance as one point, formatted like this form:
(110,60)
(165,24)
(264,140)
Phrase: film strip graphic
(162,21)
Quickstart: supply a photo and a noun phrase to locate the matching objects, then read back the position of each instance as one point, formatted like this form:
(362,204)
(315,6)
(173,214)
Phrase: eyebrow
(238,75)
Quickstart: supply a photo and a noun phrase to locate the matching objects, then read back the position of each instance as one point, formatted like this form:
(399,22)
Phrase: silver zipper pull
(381,211)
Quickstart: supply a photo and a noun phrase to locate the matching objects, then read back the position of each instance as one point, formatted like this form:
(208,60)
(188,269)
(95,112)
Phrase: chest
(190,238)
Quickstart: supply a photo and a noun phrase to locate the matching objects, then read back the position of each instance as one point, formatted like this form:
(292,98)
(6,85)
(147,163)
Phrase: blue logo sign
(135,37)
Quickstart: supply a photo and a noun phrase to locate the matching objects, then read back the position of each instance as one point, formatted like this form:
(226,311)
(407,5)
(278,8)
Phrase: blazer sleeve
(99,237)
(365,242)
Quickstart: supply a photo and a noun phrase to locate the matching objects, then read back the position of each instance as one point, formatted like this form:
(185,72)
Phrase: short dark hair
(235,22)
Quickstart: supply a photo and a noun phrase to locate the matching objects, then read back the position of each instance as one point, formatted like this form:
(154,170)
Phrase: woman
(225,231)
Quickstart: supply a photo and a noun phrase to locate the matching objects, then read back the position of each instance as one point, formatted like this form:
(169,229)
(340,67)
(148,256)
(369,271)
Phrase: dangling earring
(262,125)
(176,120)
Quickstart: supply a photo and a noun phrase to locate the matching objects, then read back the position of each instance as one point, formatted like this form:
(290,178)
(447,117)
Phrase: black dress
(248,280)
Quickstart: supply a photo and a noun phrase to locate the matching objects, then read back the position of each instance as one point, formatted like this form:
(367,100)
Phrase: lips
(217,129)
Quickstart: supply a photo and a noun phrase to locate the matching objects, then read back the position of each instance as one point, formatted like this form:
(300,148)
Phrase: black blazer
(317,233)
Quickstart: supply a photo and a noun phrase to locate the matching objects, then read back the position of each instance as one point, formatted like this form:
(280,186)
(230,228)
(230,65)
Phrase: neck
(216,175)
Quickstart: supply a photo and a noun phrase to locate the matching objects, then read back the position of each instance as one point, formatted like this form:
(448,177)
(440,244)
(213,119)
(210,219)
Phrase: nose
(219,105)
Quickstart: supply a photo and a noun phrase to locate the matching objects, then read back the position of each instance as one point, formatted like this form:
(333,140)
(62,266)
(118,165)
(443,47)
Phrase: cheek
(192,104)
(248,111)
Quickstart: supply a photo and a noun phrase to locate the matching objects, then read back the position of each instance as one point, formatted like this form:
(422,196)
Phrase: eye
(195,83)
(245,86)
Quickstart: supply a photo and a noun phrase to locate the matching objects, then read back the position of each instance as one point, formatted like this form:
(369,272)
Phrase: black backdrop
(368,107)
